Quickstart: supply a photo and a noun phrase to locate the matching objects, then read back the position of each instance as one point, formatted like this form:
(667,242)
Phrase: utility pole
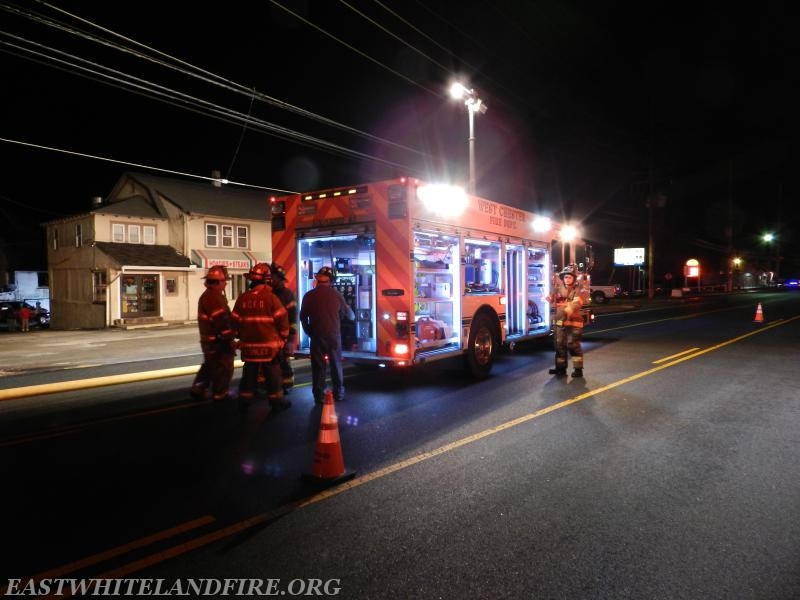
(651,291)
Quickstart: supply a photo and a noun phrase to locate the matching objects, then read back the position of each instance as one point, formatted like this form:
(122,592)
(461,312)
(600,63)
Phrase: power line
(141,166)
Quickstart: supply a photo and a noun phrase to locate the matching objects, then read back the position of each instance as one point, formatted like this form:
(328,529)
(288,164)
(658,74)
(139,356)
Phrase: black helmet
(325,272)
(259,273)
(278,272)
(566,271)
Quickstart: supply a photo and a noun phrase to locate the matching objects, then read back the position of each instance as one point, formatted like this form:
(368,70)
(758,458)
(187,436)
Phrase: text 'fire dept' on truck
(429,271)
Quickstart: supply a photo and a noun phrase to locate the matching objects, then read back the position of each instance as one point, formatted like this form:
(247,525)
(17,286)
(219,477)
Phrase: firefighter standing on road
(216,338)
(290,302)
(321,314)
(568,298)
(262,326)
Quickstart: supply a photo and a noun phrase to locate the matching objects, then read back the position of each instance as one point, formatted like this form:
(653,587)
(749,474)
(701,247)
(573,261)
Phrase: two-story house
(138,257)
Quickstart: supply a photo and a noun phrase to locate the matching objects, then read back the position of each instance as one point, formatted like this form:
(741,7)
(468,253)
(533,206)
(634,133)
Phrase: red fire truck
(429,271)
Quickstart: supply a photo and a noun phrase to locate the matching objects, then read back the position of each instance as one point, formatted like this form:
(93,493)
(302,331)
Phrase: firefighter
(262,326)
(321,313)
(290,303)
(568,298)
(216,338)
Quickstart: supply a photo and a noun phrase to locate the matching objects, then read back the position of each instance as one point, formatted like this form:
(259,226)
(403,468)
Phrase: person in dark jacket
(290,302)
(262,326)
(321,314)
(216,338)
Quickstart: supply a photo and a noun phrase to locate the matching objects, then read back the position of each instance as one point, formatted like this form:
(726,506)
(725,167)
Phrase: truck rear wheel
(482,346)
(599,297)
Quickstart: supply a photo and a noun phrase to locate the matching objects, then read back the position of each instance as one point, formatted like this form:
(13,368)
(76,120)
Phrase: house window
(242,237)
(134,234)
(100,286)
(227,236)
(211,235)
(148,234)
(54,240)
(78,235)
(118,233)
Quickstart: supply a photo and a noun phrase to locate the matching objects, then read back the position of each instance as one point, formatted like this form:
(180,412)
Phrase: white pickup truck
(601,294)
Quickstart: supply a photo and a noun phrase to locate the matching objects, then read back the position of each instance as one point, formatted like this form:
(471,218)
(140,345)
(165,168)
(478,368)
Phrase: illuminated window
(78,235)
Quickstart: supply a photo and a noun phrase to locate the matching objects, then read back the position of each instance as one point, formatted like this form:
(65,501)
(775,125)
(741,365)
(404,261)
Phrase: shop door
(139,295)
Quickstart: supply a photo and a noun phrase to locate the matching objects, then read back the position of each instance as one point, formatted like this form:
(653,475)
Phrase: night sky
(594,108)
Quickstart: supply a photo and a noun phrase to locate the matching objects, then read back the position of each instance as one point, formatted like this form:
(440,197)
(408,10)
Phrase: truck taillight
(400,350)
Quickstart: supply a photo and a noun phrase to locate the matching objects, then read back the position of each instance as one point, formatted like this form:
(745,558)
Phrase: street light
(474,104)
(768,238)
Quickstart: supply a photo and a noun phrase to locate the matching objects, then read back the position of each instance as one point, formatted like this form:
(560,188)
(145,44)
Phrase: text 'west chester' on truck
(429,271)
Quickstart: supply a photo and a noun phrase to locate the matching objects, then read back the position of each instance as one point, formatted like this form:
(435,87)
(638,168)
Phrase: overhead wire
(158,92)
(198,72)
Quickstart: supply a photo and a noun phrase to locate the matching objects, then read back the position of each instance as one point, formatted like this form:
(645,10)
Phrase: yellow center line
(660,360)
(118,551)
(270,515)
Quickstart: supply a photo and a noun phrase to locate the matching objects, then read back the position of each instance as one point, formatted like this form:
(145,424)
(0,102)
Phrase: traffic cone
(759,315)
(328,465)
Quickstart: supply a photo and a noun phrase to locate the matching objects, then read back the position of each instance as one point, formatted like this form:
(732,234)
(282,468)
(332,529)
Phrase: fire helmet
(566,271)
(259,273)
(325,272)
(216,273)
(278,272)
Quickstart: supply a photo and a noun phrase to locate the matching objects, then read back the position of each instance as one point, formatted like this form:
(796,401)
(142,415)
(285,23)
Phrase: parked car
(9,308)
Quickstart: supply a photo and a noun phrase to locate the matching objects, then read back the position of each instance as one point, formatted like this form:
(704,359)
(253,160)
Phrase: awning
(232,259)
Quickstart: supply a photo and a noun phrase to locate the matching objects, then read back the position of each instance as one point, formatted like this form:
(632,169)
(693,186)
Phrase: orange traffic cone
(328,463)
(759,315)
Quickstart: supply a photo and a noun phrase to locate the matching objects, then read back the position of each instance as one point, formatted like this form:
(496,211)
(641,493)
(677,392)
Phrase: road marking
(118,551)
(270,515)
(660,360)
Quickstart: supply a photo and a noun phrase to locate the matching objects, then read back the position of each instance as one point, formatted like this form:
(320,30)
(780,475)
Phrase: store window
(139,295)
(171,286)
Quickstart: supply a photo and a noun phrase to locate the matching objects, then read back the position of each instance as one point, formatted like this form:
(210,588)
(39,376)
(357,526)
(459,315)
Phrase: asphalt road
(667,472)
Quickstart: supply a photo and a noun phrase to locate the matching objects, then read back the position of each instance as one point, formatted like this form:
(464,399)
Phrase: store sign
(628,257)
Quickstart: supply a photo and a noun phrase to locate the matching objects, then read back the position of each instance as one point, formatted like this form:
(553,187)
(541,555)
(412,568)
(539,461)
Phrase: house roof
(195,198)
(136,206)
(143,255)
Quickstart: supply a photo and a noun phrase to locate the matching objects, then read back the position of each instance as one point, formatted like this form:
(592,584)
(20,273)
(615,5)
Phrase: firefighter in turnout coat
(216,338)
(568,298)
(262,326)
(290,302)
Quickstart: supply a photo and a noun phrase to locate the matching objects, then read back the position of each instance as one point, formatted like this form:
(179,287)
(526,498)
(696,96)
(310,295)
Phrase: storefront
(139,295)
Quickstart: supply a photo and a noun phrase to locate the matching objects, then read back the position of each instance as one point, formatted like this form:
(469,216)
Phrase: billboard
(628,257)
